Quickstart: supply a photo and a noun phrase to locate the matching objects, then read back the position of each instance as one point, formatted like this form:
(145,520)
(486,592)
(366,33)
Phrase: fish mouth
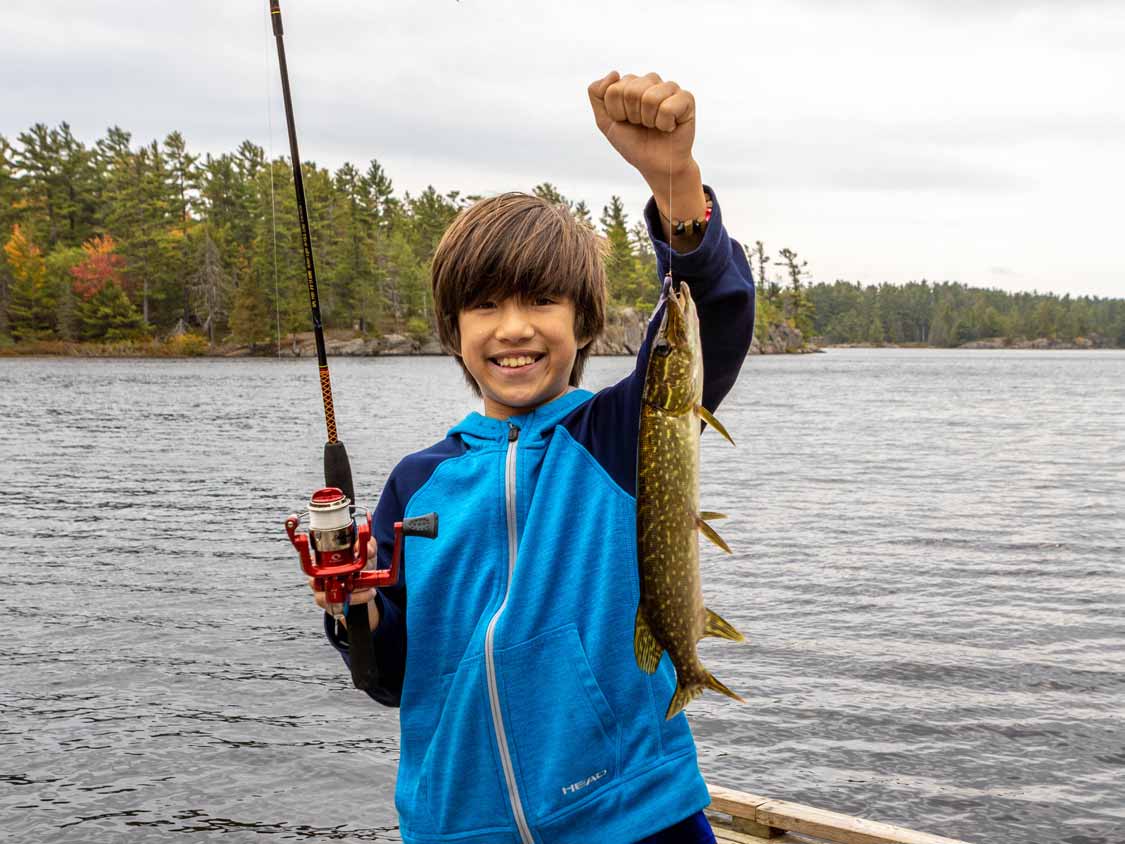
(675,315)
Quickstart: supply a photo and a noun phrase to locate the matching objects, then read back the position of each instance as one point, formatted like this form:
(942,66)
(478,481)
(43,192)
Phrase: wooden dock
(741,818)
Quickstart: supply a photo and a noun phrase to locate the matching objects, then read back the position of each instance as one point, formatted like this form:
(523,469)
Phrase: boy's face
(519,353)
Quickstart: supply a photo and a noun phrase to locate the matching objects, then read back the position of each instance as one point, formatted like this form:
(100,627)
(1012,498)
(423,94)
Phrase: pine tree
(8,217)
(620,262)
(770,289)
(549,193)
(582,214)
(799,308)
(109,315)
(183,185)
(645,284)
(58,185)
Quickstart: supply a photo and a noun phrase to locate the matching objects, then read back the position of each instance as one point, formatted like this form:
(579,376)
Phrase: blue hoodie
(524,717)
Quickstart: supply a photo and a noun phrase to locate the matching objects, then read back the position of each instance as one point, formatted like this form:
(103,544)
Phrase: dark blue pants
(693,830)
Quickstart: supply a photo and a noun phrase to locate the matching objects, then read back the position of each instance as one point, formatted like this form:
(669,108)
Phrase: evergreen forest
(148,243)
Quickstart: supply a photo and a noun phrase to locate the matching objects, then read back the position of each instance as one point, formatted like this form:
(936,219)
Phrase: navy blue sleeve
(389,637)
(721,285)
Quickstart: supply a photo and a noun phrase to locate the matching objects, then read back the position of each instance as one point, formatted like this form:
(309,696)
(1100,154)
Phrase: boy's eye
(484,306)
(544,300)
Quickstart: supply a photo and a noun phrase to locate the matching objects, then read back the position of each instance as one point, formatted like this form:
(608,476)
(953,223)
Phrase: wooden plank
(834,827)
(730,836)
(737,804)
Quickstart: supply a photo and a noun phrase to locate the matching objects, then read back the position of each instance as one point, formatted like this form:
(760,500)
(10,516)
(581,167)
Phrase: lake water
(928,563)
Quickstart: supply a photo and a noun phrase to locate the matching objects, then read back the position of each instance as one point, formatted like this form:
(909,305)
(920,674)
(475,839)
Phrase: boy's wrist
(686,199)
(679,196)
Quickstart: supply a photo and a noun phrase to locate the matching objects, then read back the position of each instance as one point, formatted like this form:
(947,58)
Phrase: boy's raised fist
(650,122)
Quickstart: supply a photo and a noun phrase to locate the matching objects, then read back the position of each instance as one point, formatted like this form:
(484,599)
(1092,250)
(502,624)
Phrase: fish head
(674,381)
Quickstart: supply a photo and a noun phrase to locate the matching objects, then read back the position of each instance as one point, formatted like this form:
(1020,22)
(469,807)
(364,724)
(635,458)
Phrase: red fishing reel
(334,551)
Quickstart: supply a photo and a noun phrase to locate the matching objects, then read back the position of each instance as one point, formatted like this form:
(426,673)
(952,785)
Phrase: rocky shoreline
(623,335)
(1094,341)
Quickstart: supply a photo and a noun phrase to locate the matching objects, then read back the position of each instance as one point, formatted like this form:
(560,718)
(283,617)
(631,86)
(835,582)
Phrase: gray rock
(398,344)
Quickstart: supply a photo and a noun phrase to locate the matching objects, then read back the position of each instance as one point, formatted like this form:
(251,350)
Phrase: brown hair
(517,244)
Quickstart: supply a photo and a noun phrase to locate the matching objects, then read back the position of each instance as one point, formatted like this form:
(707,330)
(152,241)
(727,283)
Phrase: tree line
(125,241)
(944,314)
(950,314)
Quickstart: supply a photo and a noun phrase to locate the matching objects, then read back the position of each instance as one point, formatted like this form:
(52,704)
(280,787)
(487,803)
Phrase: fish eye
(661,347)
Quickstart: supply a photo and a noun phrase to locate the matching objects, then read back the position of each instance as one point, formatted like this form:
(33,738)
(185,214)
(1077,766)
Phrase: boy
(524,717)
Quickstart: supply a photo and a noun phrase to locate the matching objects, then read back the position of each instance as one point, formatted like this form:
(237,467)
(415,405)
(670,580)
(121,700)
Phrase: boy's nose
(514,323)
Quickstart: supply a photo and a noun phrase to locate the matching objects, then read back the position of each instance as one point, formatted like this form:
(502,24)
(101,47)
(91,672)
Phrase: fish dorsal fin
(645,647)
(716,625)
(711,533)
(706,416)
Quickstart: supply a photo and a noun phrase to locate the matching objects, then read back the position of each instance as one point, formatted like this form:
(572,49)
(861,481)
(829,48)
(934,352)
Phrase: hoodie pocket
(460,787)
(564,736)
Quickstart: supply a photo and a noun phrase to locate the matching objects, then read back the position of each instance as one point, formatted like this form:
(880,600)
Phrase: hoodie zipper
(489,657)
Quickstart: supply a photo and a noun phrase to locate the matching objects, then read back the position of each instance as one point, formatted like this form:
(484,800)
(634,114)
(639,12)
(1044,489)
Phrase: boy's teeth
(520,361)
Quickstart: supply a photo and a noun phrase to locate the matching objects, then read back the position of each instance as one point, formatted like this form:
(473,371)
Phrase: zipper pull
(513,433)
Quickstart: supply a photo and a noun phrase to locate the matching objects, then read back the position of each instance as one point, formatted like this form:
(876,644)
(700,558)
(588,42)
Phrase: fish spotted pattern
(671,616)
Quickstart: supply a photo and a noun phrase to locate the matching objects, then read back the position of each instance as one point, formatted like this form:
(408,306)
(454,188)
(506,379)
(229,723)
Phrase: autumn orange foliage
(99,267)
(24,257)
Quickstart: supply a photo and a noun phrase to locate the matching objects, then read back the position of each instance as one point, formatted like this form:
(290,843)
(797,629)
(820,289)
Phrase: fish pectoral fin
(715,625)
(681,698)
(706,416)
(711,533)
(716,686)
(710,515)
(645,647)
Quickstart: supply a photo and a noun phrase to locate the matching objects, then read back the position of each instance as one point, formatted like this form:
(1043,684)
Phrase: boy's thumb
(597,91)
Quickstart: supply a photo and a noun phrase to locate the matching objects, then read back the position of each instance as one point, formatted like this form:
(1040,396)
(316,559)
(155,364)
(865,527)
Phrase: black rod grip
(275,16)
(361,649)
(338,470)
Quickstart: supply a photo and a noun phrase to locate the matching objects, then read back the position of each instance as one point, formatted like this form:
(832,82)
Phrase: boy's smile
(519,353)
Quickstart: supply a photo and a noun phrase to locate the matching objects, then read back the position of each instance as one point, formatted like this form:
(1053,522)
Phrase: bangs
(527,254)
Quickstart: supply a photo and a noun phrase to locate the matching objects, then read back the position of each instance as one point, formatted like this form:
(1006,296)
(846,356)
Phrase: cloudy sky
(884,140)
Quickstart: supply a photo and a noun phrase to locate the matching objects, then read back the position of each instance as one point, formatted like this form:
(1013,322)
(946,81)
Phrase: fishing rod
(334,551)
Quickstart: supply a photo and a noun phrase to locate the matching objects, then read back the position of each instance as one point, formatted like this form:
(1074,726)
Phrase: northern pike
(671,616)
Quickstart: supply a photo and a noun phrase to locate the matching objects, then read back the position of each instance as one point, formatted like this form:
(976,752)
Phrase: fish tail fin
(645,647)
(711,533)
(709,418)
(715,625)
(683,695)
(716,686)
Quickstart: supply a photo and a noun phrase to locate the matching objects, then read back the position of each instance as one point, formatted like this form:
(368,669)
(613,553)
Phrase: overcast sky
(884,141)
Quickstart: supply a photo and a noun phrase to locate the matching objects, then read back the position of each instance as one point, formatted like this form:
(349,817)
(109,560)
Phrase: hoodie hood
(477,430)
